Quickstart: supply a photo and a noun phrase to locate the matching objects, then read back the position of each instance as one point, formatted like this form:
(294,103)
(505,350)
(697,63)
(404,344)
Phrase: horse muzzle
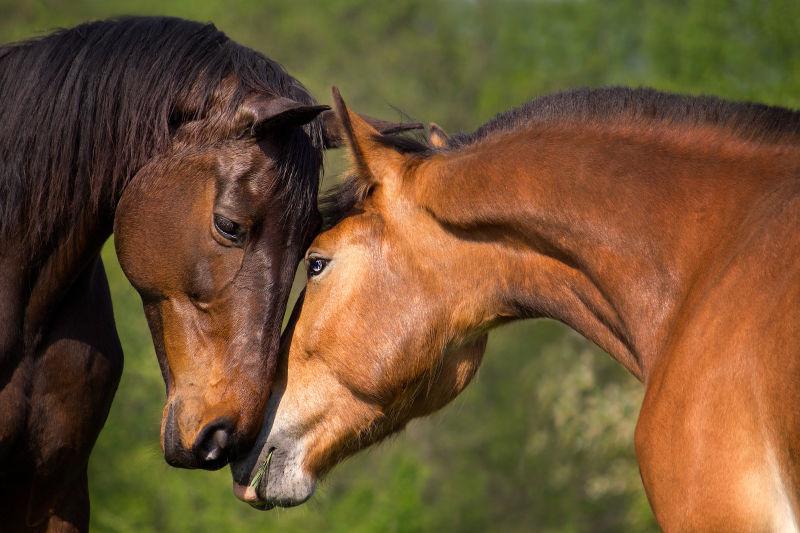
(209,450)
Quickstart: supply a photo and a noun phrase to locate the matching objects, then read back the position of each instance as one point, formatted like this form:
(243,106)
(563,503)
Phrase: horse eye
(228,228)
(316,265)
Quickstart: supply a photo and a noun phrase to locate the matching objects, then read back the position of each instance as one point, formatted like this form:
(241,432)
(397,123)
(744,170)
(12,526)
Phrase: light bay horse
(664,228)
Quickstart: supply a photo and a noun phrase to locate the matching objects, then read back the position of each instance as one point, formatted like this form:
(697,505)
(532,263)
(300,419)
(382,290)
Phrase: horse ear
(265,112)
(374,161)
(333,135)
(437,137)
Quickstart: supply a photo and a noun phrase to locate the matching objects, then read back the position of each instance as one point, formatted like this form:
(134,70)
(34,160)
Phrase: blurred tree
(543,440)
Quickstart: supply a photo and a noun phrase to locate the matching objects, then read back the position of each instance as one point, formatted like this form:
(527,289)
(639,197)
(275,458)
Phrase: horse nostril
(219,441)
(212,445)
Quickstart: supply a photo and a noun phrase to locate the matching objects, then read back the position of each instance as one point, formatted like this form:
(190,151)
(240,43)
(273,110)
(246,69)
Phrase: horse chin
(276,479)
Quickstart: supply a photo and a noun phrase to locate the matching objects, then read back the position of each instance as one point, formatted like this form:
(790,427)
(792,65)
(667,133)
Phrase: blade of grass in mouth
(261,470)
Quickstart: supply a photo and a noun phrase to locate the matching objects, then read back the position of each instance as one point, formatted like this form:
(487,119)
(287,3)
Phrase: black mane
(82,109)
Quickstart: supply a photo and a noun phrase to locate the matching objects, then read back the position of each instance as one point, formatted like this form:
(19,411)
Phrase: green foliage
(543,439)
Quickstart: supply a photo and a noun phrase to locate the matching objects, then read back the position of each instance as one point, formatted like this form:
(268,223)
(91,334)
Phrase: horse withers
(203,157)
(664,228)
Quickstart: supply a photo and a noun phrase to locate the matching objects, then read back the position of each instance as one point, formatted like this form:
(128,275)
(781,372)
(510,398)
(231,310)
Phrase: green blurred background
(543,440)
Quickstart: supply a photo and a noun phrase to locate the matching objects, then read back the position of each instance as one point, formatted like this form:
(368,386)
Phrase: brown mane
(748,121)
(663,229)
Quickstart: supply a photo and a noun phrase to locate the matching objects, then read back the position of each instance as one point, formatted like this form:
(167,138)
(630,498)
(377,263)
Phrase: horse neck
(605,228)
(59,266)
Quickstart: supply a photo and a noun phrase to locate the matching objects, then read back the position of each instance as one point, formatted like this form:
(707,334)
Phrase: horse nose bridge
(191,339)
(200,406)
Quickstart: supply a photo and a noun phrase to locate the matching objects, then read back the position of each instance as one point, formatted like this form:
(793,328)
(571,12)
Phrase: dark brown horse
(203,157)
(664,228)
